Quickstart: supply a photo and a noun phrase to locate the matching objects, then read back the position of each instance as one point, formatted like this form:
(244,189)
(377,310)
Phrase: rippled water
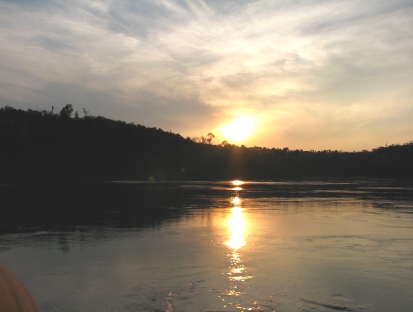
(213,246)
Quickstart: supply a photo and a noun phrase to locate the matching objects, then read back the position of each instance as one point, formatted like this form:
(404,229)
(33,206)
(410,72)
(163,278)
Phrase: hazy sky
(312,74)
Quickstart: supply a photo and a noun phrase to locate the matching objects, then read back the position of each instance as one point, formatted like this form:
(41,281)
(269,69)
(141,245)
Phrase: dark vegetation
(46,144)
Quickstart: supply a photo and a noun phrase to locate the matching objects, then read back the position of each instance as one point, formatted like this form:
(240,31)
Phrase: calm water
(212,246)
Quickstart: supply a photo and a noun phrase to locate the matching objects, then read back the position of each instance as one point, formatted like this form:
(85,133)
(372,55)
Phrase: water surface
(212,246)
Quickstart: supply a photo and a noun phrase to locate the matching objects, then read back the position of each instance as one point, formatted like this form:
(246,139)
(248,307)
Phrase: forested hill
(47,144)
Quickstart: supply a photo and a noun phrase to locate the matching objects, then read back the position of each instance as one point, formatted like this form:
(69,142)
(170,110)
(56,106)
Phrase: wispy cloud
(315,74)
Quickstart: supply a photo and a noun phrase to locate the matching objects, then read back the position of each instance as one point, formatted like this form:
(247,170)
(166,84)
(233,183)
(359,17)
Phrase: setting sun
(238,130)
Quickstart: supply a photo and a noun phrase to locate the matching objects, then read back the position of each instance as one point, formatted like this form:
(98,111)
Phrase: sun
(238,130)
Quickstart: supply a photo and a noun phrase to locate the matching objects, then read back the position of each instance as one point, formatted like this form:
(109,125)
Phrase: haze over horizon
(309,75)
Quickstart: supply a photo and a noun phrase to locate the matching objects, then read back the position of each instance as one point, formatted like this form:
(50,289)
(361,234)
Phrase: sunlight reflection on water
(237,226)
(237,231)
(237,184)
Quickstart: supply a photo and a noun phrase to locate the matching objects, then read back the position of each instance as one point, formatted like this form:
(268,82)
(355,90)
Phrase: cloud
(188,66)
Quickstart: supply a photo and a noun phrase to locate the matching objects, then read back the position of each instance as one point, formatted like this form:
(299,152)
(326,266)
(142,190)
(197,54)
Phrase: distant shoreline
(50,146)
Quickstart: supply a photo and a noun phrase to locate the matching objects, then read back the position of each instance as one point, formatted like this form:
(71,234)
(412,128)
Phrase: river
(212,246)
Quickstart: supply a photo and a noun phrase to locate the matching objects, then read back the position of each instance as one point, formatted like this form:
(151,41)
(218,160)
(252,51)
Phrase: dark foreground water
(211,246)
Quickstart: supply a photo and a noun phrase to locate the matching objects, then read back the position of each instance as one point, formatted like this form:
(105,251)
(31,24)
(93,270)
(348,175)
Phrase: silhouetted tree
(204,140)
(85,112)
(209,138)
(66,111)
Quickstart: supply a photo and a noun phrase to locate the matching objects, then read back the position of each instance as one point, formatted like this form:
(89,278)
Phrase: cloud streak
(314,74)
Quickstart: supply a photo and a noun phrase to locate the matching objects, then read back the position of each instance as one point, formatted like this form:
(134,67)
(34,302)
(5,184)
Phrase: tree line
(62,144)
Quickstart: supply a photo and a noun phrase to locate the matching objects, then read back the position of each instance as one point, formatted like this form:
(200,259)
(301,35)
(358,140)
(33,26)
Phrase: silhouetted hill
(45,144)
(34,142)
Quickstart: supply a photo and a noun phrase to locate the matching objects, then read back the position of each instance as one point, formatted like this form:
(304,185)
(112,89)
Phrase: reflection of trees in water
(63,242)
(57,206)
(63,214)
(67,206)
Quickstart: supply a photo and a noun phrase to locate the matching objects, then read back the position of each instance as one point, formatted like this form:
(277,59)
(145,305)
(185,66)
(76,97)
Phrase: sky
(308,74)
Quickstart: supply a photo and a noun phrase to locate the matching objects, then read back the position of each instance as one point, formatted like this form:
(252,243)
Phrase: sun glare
(238,130)
(236,228)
